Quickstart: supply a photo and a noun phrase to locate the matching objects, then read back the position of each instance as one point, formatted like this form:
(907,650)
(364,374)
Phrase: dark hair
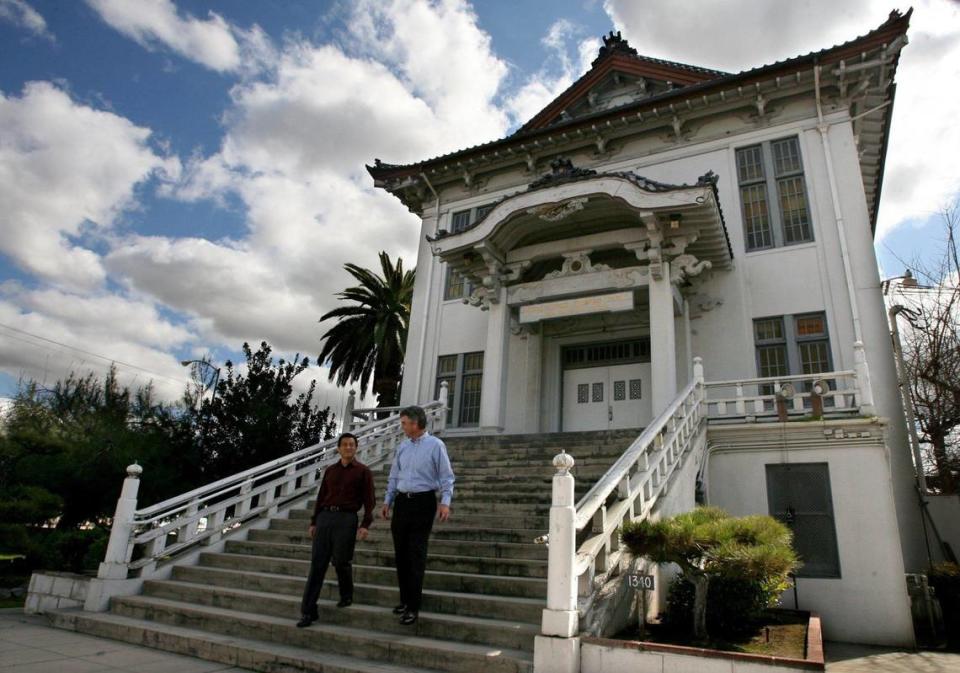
(347,435)
(415,414)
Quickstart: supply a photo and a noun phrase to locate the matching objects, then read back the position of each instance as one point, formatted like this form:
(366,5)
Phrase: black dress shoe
(408,618)
(400,609)
(345,603)
(306,620)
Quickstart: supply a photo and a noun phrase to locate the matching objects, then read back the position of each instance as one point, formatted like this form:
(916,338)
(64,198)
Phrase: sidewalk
(28,645)
(846,658)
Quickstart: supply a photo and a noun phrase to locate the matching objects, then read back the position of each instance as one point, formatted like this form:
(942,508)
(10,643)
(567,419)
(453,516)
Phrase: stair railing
(638,478)
(140,538)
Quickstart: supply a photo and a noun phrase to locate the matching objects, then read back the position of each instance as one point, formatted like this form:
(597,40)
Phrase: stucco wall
(869,602)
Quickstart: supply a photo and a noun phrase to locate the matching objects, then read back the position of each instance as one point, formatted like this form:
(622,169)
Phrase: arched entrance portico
(577,250)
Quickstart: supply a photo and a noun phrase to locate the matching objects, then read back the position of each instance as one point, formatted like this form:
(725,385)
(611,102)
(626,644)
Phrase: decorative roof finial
(613,43)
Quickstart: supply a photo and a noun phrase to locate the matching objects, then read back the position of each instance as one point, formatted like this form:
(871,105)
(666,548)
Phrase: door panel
(585,399)
(630,396)
(602,398)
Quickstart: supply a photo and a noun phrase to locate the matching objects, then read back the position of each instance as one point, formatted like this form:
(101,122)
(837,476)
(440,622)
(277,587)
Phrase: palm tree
(370,336)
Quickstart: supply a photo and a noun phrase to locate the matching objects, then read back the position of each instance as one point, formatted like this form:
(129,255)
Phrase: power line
(85,352)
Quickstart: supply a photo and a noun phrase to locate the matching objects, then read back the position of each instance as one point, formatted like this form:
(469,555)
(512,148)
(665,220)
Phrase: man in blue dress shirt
(420,468)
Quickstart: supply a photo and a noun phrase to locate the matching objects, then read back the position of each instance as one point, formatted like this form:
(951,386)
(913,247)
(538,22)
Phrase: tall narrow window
(768,333)
(464,376)
(455,285)
(447,371)
(772,173)
(813,345)
(472,377)
(799,495)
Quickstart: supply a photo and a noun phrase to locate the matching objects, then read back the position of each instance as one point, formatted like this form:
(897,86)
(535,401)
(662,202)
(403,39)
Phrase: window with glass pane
(812,343)
(455,285)
(447,371)
(761,169)
(768,329)
(772,361)
(482,211)
(756,217)
(472,378)
(460,221)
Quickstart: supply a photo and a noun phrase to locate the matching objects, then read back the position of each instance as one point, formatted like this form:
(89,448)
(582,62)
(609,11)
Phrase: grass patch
(781,634)
(12,602)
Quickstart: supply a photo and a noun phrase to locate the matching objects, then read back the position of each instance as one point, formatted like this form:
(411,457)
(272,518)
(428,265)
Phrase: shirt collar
(419,439)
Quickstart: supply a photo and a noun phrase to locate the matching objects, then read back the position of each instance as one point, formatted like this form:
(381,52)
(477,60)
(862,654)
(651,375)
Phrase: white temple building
(654,213)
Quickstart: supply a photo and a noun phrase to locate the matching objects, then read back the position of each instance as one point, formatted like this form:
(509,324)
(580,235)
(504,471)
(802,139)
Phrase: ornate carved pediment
(554,212)
(575,264)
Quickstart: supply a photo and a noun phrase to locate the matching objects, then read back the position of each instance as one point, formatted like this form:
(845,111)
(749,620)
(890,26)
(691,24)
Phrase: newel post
(443,398)
(348,411)
(864,386)
(119,549)
(557,648)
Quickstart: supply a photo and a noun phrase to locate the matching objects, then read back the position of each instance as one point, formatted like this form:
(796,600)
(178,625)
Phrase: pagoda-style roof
(626,93)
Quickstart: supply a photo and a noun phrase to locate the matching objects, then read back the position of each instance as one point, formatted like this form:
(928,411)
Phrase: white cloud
(558,72)
(66,170)
(920,177)
(213,43)
(21,14)
(55,333)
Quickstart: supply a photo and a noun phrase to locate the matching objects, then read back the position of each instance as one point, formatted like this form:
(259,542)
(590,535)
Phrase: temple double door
(606,398)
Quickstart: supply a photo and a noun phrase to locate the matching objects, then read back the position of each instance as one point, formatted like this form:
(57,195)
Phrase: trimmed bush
(945,580)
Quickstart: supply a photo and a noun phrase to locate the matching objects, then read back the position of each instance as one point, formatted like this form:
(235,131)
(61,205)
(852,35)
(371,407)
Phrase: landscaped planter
(607,655)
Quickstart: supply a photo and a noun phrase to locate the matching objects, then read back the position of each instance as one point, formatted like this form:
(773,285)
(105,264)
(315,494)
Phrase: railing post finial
(120,545)
(698,368)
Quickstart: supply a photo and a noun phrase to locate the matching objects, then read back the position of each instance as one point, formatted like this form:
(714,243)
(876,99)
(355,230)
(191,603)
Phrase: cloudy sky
(178,177)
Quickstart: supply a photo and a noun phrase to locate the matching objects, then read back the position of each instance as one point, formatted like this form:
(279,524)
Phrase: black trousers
(411,525)
(335,539)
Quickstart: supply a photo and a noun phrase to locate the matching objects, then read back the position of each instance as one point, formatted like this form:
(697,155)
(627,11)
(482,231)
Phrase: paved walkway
(28,645)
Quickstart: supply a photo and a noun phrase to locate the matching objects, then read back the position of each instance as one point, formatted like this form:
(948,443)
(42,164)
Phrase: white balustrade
(636,482)
(841,393)
(140,538)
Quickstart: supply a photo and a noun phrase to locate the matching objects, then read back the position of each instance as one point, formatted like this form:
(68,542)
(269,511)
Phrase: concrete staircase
(484,590)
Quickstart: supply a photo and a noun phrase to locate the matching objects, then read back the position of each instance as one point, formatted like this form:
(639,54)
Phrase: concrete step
(392,648)
(499,631)
(440,532)
(255,655)
(496,506)
(523,587)
(463,516)
(526,550)
(283,599)
(468,564)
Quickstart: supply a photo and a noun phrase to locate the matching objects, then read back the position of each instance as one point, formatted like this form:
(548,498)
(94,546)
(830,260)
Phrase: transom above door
(613,395)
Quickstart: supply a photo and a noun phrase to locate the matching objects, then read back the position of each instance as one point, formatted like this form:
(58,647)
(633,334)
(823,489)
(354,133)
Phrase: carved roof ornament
(612,44)
(561,170)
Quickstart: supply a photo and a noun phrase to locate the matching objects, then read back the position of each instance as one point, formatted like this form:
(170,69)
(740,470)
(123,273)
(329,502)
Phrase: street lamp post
(198,364)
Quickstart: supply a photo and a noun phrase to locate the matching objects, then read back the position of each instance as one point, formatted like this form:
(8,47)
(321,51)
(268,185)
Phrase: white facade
(528,311)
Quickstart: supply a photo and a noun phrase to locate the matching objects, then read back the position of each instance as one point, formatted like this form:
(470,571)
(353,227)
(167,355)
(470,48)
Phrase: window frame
(455,399)
(472,215)
(792,341)
(771,180)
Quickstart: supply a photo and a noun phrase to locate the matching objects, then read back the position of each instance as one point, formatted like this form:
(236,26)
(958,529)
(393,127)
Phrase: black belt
(416,495)
(336,509)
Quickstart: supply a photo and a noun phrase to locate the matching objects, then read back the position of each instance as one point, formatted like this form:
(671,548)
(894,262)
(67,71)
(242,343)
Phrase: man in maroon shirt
(346,486)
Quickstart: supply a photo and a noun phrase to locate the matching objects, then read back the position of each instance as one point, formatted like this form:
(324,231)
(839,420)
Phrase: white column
(534,392)
(557,648)
(119,549)
(663,342)
(493,390)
